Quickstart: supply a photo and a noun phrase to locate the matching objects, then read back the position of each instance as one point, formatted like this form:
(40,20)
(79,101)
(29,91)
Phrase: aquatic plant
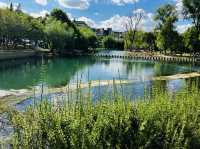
(161,120)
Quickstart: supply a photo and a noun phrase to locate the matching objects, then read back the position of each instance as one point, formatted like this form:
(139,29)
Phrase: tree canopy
(192,11)
(166,33)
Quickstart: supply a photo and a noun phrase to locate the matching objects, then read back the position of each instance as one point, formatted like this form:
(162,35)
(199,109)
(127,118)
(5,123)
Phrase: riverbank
(155,56)
(24,53)
(152,56)
(12,97)
(13,54)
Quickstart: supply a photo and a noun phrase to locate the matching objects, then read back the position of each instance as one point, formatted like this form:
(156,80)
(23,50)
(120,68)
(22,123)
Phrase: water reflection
(133,91)
(22,74)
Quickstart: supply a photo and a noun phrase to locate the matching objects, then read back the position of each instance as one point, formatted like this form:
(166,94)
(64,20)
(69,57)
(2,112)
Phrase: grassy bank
(159,121)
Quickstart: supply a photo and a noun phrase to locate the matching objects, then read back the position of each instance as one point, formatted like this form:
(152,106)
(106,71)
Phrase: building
(118,35)
(80,24)
(99,31)
(102,31)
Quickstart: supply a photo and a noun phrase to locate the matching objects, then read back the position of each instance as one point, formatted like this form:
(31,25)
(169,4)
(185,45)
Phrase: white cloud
(179,8)
(76,4)
(70,16)
(39,14)
(88,21)
(41,2)
(122,2)
(183,27)
(3,5)
(84,4)
(118,23)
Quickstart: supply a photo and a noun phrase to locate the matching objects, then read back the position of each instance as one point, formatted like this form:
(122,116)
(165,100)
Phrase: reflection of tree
(165,69)
(192,82)
(159,86)
(60,71)
(137,67)
(105,62)
(32,71)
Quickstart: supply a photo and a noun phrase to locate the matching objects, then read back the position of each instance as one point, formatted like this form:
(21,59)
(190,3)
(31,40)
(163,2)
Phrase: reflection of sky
(132,70)
(175,85)
(59,72)
(114,69)
(132,91)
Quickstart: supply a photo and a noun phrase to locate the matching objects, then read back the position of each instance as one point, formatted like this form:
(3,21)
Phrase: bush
(164,121)
(110,43)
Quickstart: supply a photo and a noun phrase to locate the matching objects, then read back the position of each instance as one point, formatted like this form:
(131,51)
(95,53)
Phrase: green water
(23,74)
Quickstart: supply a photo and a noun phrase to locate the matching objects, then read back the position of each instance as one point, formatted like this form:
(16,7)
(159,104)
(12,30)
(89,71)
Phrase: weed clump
(163,121)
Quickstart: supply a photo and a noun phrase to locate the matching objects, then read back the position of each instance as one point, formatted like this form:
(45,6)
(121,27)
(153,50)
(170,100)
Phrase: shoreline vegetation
(12,97)
(61,35)
(160,120)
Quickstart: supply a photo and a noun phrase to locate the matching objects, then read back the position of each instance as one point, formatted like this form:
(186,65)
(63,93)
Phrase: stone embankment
(13,54)
(148,56)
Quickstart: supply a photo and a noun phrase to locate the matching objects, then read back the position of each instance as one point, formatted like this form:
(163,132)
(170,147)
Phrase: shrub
(164,121)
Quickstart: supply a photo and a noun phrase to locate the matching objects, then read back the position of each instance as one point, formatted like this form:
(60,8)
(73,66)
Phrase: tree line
(54,31)
(57,32)
(165,37)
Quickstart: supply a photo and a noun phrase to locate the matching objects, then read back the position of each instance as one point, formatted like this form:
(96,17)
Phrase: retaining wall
(153,58)
(9,54)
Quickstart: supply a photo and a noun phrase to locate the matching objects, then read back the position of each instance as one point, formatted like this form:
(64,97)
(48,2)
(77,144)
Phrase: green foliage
(191,11)
(129,39)
(164,121)
(56,34)
(167,38)
(59,15)
(149,39)
(18,26)
(90,36)
(191,40)
(110,42)
(144,40)
(165,14)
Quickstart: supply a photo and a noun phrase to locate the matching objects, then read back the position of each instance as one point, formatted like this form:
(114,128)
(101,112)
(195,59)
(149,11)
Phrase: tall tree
(149,40)
(166,34)
(191,10)
(132,25)
(191,40)
(56,34)
(60,15)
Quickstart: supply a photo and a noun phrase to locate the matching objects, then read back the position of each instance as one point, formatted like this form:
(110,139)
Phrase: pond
(58,72)
(23,74)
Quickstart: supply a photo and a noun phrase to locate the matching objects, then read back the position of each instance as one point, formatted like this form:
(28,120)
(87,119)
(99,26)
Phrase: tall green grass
(160,121)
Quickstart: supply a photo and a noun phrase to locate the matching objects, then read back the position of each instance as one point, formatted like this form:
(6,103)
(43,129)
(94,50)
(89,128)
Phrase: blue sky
(101,13)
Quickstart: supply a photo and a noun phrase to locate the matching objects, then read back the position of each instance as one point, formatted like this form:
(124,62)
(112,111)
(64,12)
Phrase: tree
(132,24)
(60,15)
(149,40)
(18,28)
(191,40)
(166,34)
(166,14)
(56,34)
(110,43)
(11,6)
(191,10)
(36,31)
(90,36)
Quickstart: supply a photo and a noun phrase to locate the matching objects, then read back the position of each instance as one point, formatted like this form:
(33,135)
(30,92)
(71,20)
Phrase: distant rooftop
(80,23)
